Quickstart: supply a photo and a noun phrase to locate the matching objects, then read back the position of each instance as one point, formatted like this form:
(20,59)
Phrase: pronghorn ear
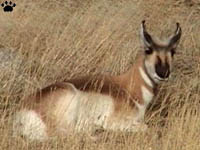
(146,37)
(174,39)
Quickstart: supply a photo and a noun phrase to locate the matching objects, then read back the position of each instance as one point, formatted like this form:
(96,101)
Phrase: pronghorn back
(111,102)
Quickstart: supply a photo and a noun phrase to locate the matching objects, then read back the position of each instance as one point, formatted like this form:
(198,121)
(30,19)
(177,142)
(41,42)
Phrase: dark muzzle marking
(162,69)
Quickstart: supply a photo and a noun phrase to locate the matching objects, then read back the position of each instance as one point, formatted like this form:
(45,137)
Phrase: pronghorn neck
(138,82)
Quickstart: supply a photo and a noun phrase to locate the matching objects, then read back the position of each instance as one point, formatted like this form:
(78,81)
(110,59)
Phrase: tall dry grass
(56,40)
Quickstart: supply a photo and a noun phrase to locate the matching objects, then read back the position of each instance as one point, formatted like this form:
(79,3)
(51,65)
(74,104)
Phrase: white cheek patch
(170,61)
(150,69)
(145,77)
(146,95)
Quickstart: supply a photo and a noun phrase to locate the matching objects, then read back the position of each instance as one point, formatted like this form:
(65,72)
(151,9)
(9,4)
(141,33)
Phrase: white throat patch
(145,77)
(146,95)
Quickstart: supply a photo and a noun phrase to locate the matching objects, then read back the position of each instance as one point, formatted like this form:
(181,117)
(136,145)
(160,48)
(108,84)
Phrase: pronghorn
(111,102)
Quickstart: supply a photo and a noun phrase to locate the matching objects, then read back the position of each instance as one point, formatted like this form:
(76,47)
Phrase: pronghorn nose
(162,70)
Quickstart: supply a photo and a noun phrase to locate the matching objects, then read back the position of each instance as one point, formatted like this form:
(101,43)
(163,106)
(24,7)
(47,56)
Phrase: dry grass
(55,40)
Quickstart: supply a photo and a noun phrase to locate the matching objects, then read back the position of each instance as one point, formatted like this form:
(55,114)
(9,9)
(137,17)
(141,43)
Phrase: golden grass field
(47,41)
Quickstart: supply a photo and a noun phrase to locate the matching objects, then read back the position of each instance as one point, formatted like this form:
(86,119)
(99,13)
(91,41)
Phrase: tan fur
(120,95)
(109,102)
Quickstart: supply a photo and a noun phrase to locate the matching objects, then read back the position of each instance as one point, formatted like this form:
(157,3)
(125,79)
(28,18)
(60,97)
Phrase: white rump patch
(145,77)
(28,123)
(146,95)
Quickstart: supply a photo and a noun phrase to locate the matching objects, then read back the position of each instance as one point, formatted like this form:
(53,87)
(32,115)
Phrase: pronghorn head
(159,54)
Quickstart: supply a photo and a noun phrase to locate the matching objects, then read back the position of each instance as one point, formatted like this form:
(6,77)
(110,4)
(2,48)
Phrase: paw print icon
(8,6)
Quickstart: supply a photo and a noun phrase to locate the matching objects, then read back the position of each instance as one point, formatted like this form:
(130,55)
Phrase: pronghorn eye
(149,51)
(173,52)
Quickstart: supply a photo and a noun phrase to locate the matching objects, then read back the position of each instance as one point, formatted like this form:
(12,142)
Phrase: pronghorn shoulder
(98,83)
